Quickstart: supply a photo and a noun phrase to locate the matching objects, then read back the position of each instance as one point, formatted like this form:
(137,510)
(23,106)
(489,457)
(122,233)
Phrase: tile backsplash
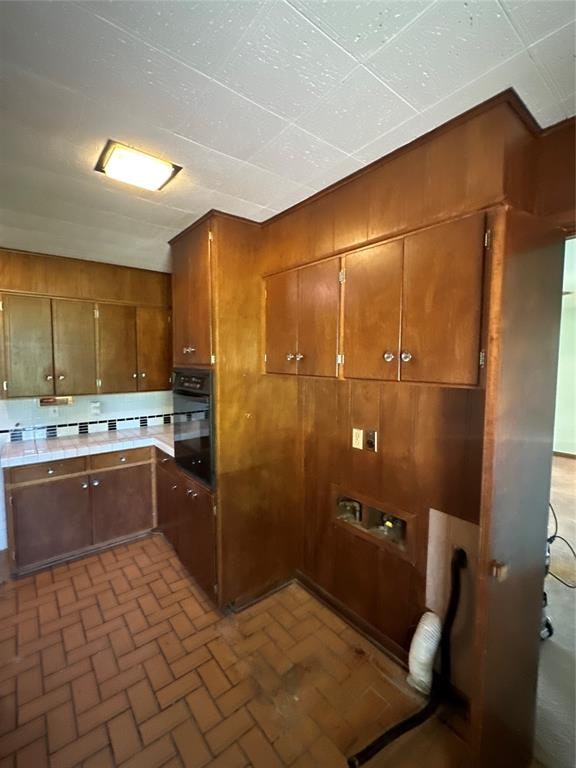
(25,418)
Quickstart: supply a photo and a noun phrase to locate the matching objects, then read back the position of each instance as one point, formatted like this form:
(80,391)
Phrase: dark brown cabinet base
(187,518)
(61,510)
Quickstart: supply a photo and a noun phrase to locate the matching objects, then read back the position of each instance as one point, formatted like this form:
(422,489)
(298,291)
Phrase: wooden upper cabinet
(442,302)
(281,322)
(153,347)
(191,300)
(28,345)
(318,314)
(372,304)
(117,364)
(74,334)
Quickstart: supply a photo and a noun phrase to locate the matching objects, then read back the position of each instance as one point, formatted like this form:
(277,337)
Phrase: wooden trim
(213,213)
(86,472)
(563,455)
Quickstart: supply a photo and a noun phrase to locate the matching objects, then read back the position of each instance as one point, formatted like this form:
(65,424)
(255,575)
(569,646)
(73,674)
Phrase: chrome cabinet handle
(174,487)
(188,350)
(299,356)
(191,493)
(122,459)
(95,483)
(406,357)
(290,356)
(51,471)
(61,377)
(84,485)
(388,356)
(49,378)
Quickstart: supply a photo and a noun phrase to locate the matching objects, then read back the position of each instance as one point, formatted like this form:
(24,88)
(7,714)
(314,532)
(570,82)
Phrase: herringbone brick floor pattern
(119,660)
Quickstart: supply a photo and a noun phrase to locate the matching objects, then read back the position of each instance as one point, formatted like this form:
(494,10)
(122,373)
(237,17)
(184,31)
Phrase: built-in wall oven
(194,422)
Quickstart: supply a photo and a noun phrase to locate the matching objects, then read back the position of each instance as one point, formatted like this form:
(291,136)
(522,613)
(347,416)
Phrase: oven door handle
(193,396)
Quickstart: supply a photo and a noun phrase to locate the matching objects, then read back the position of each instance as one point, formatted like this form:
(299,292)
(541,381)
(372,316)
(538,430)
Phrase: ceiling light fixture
(123,163)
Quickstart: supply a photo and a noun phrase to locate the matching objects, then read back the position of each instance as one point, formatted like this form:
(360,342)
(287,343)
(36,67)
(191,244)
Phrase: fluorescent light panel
(123,163)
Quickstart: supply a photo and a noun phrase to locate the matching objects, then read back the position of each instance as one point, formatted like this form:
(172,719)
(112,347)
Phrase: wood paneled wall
(556,183)
(37,273)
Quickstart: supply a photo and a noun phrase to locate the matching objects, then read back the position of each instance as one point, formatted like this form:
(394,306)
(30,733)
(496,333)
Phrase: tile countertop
(36,451)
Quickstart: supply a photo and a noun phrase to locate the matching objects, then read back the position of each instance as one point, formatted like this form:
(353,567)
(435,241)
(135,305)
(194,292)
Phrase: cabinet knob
(123,459)
(188,350)
(174,487)
(95,483)
(388,356)
(49,378)
(191,493)
(290,356)
(299,356)
(61,377)
(164,460)
(406,357)
(143,375)
(51,471)
(134,375)
(84,485)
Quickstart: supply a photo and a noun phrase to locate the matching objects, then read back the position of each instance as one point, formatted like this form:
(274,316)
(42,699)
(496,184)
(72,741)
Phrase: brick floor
(119,660)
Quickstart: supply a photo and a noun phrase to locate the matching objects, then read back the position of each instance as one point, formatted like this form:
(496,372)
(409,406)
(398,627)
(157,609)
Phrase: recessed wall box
(349,509)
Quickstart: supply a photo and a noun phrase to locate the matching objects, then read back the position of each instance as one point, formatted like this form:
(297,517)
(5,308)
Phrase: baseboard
(565,455)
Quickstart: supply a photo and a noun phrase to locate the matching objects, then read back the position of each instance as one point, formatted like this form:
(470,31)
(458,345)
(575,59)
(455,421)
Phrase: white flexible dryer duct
(423,652)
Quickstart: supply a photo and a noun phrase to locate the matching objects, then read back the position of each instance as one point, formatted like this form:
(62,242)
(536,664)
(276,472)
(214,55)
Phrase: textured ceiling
(264,102)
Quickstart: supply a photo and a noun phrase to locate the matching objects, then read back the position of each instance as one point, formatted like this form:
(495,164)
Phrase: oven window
(192,434)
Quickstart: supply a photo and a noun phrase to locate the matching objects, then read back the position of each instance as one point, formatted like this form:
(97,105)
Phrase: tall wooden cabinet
(191,298)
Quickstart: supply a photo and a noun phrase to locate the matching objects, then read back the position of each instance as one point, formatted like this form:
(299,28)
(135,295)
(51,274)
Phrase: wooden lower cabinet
(121,502)
(186,517)
(51,519)
(80,509)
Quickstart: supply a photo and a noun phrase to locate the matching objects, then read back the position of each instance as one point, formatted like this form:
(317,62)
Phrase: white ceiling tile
(284,63)
(556,54)
(361,27)
(535,19)
(284,198)
(197,33)
(335,173)
(336,118)
(449,45)
(260,186)
(297,155)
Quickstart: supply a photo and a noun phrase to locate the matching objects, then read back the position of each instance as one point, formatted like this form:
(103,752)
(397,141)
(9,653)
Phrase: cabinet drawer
(47,470)
(119,458)
(164,460)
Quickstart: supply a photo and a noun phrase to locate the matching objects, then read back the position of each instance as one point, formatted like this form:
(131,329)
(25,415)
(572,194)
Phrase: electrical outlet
(357,438)
(371,441)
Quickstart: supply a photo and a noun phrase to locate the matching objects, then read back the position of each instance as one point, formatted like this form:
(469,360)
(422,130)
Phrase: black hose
(440,682)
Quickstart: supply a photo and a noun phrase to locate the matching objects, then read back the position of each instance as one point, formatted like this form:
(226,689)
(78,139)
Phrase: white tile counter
(36,451)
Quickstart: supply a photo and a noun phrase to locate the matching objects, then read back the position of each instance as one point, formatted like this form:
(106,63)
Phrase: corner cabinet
(302,309)
(191,296)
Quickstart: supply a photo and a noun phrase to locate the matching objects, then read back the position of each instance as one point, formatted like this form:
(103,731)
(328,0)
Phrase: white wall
(565,420)
(27,413)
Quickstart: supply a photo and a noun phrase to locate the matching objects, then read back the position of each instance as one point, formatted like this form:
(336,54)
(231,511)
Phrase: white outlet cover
(357,438)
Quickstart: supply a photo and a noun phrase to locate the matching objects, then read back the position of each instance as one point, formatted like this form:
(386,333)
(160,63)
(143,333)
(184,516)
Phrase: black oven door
(193,434)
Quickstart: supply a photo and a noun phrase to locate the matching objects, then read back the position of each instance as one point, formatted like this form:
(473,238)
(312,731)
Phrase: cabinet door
(168,495)
(117,366)
(153,345)
(372,303)
(191,302)
(51,519)
(281,322)
(28,345)
(121,502)
(197,536)
(74,333)
(318,310)
(442,302)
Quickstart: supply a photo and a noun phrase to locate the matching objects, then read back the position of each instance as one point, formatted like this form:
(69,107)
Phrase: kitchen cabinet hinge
(339,359)
(98,383)
(96,313)
(265,358)
(342,276)
(215,588)
(488,238)
(214,510)
(1,306)
(210,236)
(482,358)
(5,386)
(212,359)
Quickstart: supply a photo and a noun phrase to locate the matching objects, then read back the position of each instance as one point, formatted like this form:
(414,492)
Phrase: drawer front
(47,470)
(119,458)
(164,460)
